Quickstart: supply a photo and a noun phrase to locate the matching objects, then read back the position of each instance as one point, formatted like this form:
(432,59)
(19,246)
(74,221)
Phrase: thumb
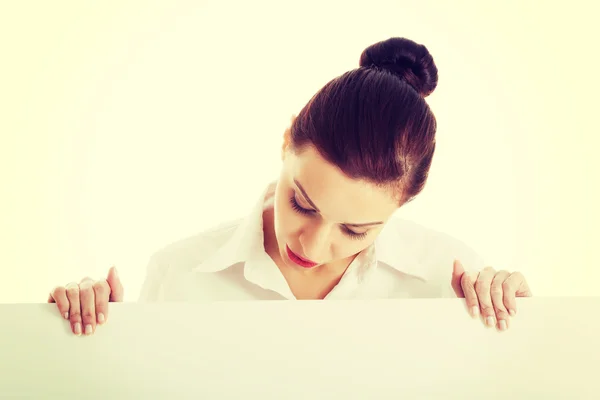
(116,288)
(457,272)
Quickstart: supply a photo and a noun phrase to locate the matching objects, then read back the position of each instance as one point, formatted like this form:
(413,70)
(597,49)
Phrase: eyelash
(304,211)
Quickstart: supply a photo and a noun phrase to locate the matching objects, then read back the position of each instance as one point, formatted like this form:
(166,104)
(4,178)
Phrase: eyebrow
(313,205)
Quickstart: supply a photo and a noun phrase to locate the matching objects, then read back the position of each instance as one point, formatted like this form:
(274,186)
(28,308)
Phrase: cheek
(349,247)
(287,221)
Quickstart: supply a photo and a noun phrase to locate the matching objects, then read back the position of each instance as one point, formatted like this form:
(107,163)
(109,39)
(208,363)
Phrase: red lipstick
(299,260)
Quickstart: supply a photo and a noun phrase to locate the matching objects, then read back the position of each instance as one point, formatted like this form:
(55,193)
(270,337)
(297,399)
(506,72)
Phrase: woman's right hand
(85,303)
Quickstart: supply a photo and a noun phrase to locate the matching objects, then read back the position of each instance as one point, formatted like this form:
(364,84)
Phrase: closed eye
(299,208)
(306,211)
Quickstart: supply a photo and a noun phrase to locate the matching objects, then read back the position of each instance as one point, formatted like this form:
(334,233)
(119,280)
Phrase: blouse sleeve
(152,288)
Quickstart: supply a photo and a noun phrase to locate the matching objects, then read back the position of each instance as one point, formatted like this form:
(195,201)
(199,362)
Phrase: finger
(523,290)
(467,283)
(88,305)
(457,272)
(513,286)
(58,295)
(74,307)
(116,288)
(482,288)
(498,294)
(101,295)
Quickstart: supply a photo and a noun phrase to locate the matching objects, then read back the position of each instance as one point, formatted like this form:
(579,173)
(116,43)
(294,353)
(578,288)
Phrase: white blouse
(229,262)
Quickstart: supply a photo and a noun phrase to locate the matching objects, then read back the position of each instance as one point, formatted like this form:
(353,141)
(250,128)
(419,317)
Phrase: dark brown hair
(373,122)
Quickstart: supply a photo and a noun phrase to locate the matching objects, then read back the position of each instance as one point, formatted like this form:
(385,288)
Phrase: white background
(128,125)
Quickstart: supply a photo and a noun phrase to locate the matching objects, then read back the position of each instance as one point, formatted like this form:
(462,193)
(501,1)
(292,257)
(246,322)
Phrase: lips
(299,260)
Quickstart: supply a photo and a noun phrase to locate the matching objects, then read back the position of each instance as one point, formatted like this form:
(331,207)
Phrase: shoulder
(188,252)
(175,261)
(431,249)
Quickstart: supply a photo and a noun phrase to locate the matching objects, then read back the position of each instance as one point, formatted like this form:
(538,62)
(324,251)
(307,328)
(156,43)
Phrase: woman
(360,149)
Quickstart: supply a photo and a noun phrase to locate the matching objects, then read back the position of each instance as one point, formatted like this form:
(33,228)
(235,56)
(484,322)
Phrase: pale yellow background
(128,125)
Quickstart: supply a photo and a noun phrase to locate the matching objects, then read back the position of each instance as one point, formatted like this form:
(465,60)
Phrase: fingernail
(474,311)
(100,318)
(502,324)
(512,312)
(88,329)
(490,321)
(77,328)
(66,315)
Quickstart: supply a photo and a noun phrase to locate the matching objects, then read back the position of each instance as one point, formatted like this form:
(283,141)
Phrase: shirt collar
(395,246)
(245,241)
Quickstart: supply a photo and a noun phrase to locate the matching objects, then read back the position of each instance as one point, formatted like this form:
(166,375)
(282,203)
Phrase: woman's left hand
(489,292)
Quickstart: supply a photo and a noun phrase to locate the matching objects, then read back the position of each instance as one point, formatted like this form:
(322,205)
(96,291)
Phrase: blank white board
(391,349)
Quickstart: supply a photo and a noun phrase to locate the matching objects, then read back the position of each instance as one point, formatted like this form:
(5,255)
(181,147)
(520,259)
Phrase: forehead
(338,197)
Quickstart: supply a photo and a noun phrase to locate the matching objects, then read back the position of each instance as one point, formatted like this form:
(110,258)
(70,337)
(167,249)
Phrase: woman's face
(321,215)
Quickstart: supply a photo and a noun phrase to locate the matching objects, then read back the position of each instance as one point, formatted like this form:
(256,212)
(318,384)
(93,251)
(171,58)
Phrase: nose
(315,241)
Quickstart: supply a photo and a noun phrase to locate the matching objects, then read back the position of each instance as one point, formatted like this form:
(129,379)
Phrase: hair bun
(406,59)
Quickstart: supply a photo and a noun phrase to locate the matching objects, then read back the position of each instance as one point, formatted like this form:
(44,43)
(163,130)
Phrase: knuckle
(500,309)
(75,316)
(86,285)
(57,291)
(487,310)
(86,297)
(63,305)
(470,291)
(464,280)
(496,290)
(72,291)
(100,288)
(509,297)
(71,284)
(501,312)
(517,275)
(480,288)
(485,299)
(472,302)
